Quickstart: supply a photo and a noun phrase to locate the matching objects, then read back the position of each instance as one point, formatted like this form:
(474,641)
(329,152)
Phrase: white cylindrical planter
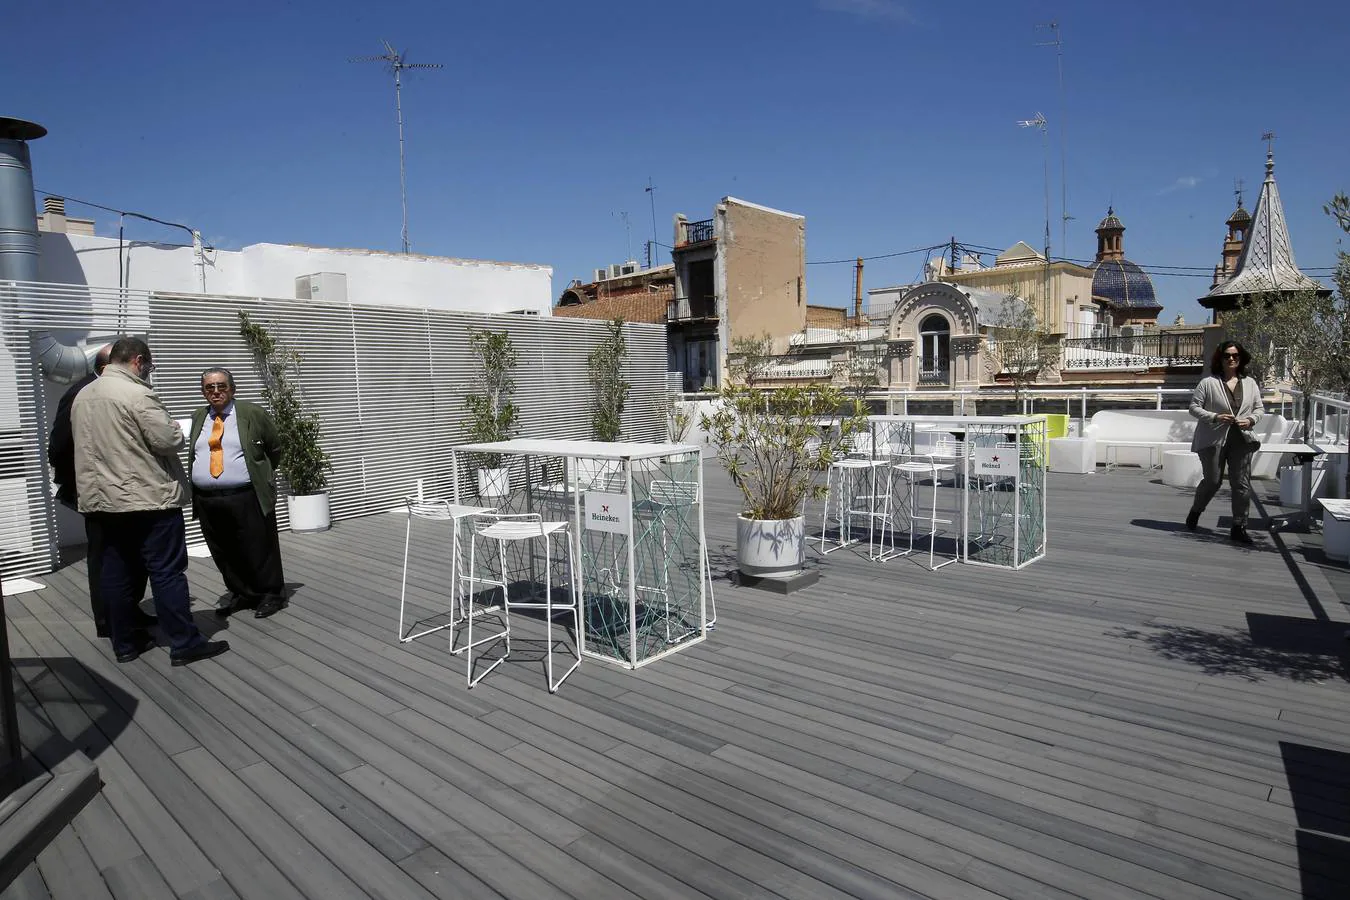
(494,483)
(309,513)
(771,548)
(1291,486)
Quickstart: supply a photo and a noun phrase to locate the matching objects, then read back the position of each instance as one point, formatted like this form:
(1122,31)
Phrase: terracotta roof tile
(633,308)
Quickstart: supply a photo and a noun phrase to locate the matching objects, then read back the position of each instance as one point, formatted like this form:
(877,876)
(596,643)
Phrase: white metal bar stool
(436,511)
(518,528)
(846,485)
(666,497)
(913,470)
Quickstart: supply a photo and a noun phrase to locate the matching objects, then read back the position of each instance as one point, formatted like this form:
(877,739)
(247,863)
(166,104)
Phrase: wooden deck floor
(1145,713)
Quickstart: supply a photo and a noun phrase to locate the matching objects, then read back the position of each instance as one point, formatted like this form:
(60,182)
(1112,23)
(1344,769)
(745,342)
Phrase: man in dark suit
(61,455)
(234,493)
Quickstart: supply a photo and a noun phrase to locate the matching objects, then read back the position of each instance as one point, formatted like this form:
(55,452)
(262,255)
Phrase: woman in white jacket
(1228,405)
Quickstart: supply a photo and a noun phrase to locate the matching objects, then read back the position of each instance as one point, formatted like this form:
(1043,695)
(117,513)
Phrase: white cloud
(1184,183)
(887,10)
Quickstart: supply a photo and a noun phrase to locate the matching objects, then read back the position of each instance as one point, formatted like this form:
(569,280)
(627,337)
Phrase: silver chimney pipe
(19,244)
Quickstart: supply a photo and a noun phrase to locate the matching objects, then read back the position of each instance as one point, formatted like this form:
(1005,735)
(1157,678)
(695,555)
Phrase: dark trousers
(243,542)
(1235,455)
(141,545)
(93,535)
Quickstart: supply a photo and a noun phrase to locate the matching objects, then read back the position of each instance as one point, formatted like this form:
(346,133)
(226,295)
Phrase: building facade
(740,274)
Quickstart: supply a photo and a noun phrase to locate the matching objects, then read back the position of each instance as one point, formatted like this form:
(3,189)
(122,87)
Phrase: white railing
(1328,413)
(848,334)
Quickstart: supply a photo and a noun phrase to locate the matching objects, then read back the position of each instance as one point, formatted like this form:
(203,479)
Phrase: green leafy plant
(1020,347)
(678,418)
(304,462)
(750,359)
(607,364)
(492,414)
(774,443)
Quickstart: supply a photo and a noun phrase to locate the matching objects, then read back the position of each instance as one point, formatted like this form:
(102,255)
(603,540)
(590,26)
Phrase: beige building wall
(1023,274)
(761,271)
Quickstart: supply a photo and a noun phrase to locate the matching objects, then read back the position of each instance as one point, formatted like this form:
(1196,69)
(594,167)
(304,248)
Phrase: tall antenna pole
(396,63)
(651,254)
(1041,123)
(1064,216)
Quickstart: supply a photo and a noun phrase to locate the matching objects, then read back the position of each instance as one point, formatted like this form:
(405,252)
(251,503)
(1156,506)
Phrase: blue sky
(888,125)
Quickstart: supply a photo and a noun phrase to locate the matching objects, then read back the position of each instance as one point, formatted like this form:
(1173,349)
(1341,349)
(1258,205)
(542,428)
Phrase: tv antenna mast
(396,63)
(1058,43)
(1041,123)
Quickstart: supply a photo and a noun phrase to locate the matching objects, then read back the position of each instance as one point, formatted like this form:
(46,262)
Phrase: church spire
(1266,264)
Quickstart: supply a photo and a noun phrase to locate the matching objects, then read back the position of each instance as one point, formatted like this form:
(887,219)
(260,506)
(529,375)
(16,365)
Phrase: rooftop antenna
(1238,184)
(651,251)
(1041,123)
(1058,43)
(396,62)
(628,230)
(1269,138)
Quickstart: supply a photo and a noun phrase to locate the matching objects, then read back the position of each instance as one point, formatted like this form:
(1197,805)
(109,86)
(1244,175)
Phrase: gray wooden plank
(365,865)
(27,886)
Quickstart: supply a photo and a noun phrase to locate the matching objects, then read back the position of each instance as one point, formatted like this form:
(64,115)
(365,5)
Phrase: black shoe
(199,652)
(1192,520)
(1240,535)
(235,603)
(269,607)
(140,643)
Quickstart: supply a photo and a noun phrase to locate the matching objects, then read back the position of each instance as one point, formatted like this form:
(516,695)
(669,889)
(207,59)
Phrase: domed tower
(1122,288)
(1239,224)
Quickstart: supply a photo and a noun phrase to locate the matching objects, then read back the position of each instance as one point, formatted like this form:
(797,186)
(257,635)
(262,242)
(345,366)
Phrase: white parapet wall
(372,277)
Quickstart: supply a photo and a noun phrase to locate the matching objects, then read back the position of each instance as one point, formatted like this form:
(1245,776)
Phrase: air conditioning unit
(628,268)
(615,270)
(601,274)
(330,287)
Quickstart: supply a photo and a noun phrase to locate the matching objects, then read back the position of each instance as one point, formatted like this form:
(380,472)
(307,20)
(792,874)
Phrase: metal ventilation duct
(19,243)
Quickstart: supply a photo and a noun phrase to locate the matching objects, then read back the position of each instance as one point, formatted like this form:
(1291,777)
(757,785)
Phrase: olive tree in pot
(492,414)
(774,444)
(606,365)
(304,462)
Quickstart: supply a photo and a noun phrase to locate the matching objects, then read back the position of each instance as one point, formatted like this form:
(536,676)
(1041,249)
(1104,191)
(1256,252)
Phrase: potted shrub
(304,463)
(606,365)
(492,415)
(774,444)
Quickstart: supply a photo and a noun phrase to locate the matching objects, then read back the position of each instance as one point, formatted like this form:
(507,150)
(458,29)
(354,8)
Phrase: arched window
(935,345)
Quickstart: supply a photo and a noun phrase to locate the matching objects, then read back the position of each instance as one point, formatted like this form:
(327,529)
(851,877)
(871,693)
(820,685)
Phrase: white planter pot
(309,513)
(494,483)
(1291,486)
(774,548)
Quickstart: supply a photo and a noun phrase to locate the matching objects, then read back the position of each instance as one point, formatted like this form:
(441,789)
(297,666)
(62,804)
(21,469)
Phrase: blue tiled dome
(1123,284)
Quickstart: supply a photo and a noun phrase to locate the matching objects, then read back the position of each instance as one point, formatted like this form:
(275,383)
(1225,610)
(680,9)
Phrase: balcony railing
(691,309)
(1159,349)
(934,374)
(697,232)
(848,334)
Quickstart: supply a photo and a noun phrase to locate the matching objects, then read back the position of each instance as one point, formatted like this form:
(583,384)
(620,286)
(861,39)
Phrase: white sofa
(1136,433)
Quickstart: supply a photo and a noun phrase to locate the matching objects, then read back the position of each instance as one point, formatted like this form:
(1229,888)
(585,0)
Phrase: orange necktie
(214,442)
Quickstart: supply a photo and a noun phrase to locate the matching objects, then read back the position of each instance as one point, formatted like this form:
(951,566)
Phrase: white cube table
(1335,528)
(1181,469)
(1074,455)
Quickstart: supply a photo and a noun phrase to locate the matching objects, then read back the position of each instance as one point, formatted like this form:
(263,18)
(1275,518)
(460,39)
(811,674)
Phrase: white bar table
(1303,454)
(637,511)
(979,434)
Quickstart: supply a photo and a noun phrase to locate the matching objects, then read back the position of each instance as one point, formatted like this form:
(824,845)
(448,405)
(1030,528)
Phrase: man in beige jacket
(129,478)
